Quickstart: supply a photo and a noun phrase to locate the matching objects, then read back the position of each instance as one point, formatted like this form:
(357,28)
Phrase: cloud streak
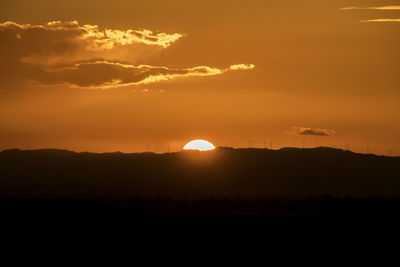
(242,67)
(381,20)
(372,8)
(310,131)
(392,7)
(104,74)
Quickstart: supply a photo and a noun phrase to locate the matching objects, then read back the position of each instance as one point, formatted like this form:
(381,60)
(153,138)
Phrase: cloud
(310,131)
(375,8)
(242,67)
(381,20)
(372,8)
(65,42)
(85,56)
(104,74)
(89,35)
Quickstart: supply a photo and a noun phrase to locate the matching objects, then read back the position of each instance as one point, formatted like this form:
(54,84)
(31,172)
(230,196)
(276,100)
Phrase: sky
(134,76)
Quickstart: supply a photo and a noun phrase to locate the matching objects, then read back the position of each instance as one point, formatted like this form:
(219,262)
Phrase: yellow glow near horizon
(200,145)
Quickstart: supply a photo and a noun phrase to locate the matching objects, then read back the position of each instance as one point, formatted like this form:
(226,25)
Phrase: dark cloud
(314,132)
(310,131)
(104,74)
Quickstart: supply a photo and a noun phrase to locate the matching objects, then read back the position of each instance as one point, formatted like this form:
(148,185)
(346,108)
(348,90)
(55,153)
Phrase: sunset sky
(132,75)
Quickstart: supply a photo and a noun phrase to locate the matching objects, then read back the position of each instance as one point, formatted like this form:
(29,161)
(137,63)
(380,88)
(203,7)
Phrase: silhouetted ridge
(225,171)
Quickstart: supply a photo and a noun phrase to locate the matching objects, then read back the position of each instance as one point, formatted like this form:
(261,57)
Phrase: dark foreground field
(225,185)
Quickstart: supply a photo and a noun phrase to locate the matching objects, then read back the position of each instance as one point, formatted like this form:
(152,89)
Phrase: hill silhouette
(197,186)
(222,172)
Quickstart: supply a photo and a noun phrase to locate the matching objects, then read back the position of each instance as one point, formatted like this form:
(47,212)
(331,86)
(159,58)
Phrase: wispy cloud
(95,38)
(372,8)
(84,56)
(66,42)
(310,131)
(242,67)
(381,20)
(114,74)
(393,7)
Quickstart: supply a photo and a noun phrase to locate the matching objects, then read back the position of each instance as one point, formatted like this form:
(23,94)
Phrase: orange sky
(122,75)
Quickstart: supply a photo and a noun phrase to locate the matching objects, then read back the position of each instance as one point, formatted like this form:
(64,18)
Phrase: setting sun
(200,145)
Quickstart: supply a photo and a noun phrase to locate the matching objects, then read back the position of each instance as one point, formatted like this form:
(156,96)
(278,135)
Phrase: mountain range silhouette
(222,172)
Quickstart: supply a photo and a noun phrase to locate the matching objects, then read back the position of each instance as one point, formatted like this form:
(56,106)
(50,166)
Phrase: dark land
(225,184)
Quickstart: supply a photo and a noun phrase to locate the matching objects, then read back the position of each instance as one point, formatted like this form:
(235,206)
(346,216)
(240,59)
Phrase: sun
(200,145)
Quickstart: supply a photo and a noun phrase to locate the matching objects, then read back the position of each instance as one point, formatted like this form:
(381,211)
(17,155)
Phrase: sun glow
(200,145)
